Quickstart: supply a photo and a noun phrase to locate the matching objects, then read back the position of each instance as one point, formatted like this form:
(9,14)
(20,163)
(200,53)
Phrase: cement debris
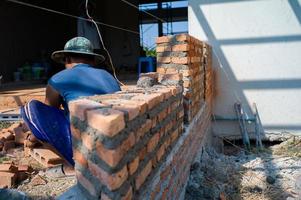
(272,174)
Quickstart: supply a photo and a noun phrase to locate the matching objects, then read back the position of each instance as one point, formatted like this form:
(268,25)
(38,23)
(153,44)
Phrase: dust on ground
(273,173)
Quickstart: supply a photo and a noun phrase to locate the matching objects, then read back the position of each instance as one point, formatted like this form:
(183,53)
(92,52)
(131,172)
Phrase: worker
(47,121)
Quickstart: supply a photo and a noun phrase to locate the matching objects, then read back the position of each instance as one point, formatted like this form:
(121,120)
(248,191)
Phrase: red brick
(20,136)
(46,157)
(113,156)
(163,59)
(152,143)
(180,47)
(7,179)
(8,135)
(9,145)
(80,158)
(180,60)
(9,167)
(108,121)
(182,37)
(151,99)
(127,106)
(75,133)
(161,70)
(88,141)
(163,39)
(142,153)
(79,107)
(143,175)
(112,181)
(86,183)
(174,135)
(160,152)
(133,166)
(128,195)
(163,48)
(171,70)
(173,77)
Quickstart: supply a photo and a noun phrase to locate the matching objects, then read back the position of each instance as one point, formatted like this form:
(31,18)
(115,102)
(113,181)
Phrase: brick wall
(189,56)
(132,144)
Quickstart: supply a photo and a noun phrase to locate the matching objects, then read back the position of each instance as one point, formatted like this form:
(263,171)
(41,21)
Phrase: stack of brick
(184,54)
(12,136)
(120,140)
(10,174)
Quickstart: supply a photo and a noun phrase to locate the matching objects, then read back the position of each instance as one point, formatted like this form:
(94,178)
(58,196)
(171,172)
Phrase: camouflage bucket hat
(78,45)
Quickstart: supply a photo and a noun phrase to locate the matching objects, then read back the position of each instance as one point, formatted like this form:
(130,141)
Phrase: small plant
(150,51)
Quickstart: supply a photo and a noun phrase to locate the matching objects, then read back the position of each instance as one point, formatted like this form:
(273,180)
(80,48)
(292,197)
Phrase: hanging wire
(148,13)
(103,45)
(72,16)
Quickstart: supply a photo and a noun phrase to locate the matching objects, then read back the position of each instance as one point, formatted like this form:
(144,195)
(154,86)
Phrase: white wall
(257,56)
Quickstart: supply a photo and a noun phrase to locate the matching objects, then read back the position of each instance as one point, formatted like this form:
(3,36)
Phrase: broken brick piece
(20,136)
(7,179)
(9,145)
(46,157)
(8,167)
(6,136)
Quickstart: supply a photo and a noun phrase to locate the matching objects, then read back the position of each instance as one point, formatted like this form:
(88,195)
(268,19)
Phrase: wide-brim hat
(77,45)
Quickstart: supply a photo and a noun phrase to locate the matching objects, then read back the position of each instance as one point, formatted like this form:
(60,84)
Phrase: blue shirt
(82,80)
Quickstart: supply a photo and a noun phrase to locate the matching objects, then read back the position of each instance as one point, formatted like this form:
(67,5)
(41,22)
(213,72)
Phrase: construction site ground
(273,173)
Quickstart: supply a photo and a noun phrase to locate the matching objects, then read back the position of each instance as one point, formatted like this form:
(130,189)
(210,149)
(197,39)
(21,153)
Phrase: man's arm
(53,98)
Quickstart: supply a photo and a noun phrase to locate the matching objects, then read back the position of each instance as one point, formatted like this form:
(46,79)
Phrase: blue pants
(49,124)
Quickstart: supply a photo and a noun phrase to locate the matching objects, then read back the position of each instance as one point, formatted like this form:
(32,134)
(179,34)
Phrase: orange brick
(161,70)
(163,39)
(79,107)
(152,143)
(163,59)
(129,195)
(7,179)
(142,153)
(88,141)
(174,135)
(85,183)
(166,92)
(108,121)
(133,166)
(151,99)
(180,47)
(143,175)
(112,181)
(171,70)
(182,37)
(79,157)
(8,167)
(132,110)
(180,60)
(172,76)
(75,133)
(160,49)
(113,156)
(160,152)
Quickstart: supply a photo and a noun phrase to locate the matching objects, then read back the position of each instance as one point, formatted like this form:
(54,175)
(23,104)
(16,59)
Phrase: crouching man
(47,121)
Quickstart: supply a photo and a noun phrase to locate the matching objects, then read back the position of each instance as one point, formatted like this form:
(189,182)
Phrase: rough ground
(274,173)
(39,185)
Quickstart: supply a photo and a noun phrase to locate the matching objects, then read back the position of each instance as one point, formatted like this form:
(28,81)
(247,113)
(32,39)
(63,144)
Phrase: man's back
(83,80)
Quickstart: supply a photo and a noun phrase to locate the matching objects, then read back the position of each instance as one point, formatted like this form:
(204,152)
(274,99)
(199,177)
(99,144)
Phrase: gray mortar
(146,82)
(172,54)
(133,152)
(133,125)
(176,66)
(125,186)
(151,182)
